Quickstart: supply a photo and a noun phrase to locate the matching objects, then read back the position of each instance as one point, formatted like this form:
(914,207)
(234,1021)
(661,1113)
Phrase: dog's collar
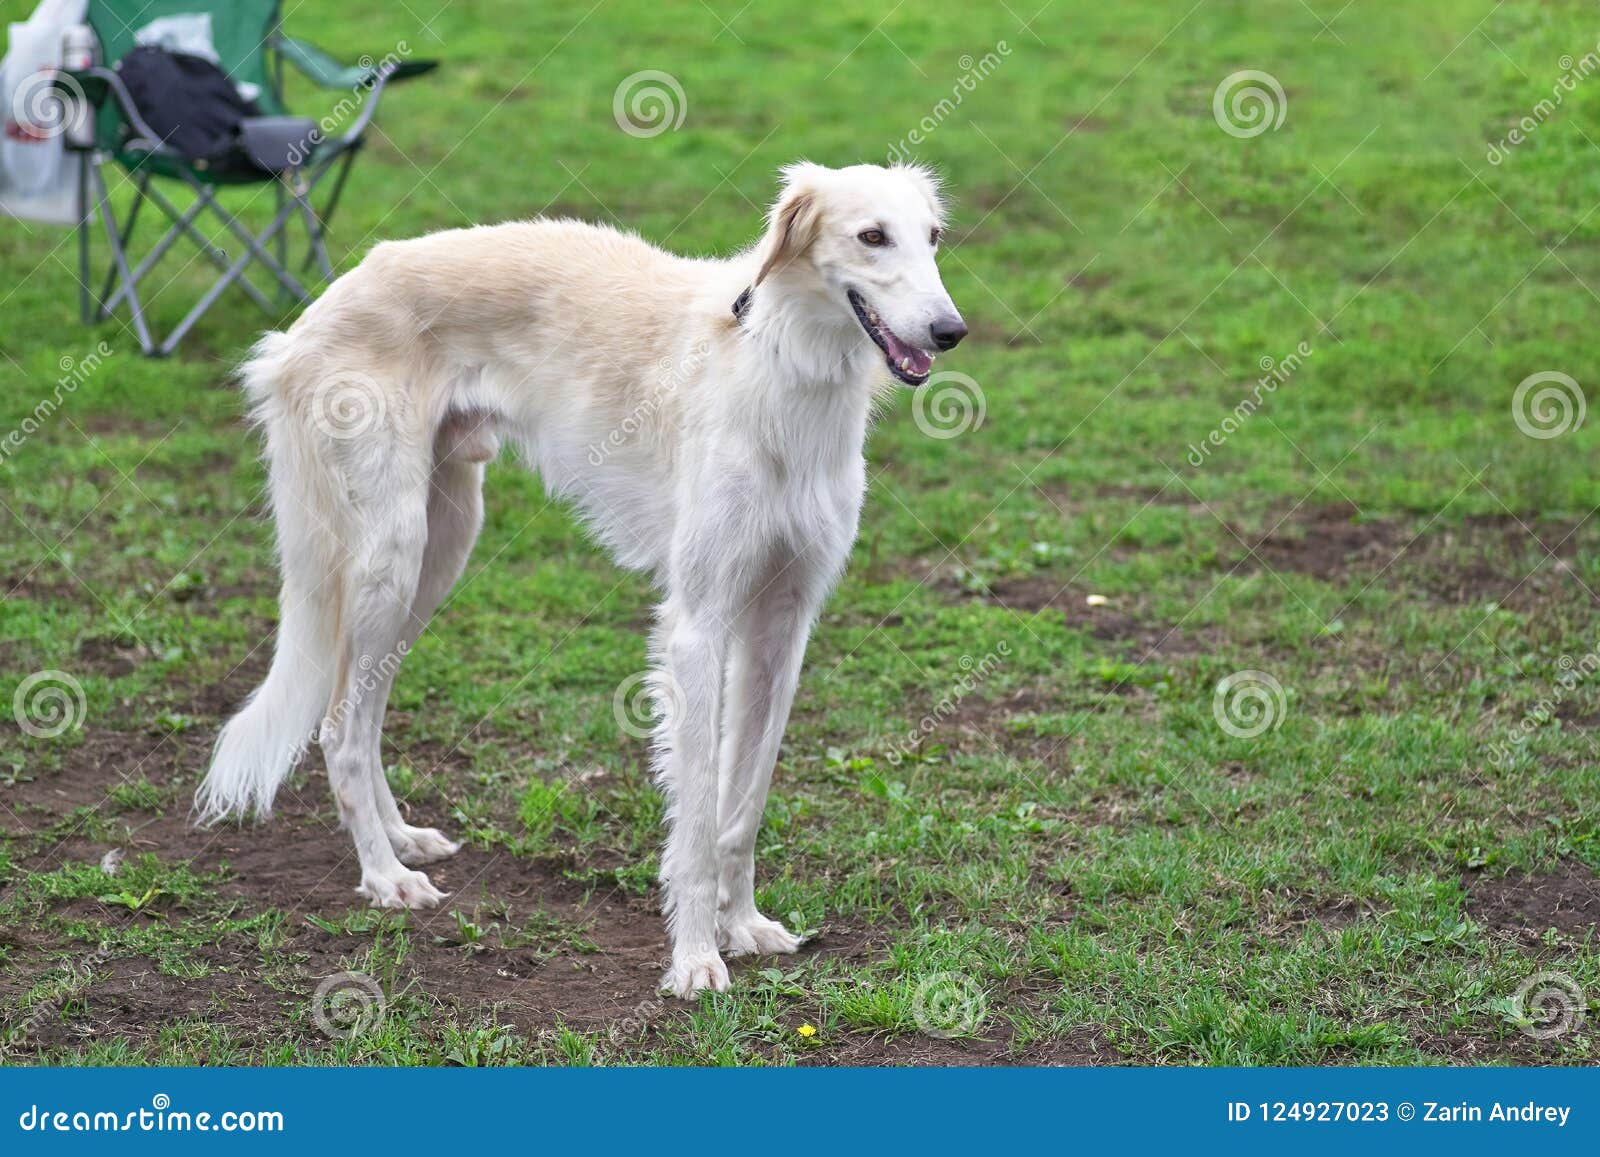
(741,304)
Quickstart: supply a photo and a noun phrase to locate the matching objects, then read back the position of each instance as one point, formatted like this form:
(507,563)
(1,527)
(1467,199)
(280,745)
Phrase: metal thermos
(80,49)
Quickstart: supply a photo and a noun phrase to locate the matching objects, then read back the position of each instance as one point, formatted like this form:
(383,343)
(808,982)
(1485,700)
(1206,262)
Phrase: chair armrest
(326,72)
(93,85)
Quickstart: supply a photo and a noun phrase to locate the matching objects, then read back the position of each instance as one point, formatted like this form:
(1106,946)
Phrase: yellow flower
(807,1031)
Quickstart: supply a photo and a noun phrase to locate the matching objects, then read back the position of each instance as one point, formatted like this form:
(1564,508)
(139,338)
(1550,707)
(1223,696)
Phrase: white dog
(706,418)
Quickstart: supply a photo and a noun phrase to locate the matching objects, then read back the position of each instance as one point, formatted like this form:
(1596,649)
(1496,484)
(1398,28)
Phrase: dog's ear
(928,183)
(793,220)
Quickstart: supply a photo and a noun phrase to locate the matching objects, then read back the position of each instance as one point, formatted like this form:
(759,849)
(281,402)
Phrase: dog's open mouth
(906,362)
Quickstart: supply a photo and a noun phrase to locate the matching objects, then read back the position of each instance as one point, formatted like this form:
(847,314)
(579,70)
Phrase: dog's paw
(400,888)
(693,973)
(421,845)
(755,935)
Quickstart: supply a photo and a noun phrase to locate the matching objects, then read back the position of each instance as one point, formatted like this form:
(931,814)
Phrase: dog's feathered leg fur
(381,590)
(261,744)
(707,587)
(762,675)
(371,538)
(455,516)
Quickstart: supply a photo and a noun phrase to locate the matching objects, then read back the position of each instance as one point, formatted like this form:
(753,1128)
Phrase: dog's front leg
(694,651)
(761,685)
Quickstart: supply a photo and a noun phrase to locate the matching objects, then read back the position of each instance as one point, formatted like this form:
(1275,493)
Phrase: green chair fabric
(251,49)
(326,72)
(241,33)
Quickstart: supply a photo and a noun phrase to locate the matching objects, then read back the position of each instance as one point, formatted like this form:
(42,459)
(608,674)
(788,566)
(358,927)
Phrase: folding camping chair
(252,50)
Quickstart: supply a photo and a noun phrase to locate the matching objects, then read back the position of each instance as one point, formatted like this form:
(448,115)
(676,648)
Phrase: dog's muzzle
(907,362)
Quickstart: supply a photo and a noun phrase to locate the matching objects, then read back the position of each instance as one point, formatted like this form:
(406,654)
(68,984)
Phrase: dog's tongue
(910,359)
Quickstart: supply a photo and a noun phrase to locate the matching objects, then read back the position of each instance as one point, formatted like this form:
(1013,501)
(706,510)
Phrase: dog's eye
(934,234)
(873,237)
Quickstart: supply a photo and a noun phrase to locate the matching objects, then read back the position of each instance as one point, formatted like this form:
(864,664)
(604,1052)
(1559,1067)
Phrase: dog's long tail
(260,745)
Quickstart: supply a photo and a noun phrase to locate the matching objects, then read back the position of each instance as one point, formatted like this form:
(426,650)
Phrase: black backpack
(190,104)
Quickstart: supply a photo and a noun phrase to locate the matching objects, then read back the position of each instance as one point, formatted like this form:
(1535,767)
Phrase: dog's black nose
(947,332)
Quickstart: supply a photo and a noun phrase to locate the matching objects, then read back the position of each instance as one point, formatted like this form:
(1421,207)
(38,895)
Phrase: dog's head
(869,235)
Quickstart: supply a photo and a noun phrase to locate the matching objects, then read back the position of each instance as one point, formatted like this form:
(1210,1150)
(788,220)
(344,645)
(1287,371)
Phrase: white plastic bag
(190,34)
(38,180)
(186,32)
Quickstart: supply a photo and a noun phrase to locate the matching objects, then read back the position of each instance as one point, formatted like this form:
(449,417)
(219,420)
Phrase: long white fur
(724,458)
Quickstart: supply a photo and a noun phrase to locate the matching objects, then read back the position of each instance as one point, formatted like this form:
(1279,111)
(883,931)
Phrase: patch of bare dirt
(982,724)
(37,583)
(301,863)
(1567,899)
(1462,1047)
(592,963)
(1499,559)
(111,656)
(100,762)
(1328,543)
(1577,715)
(1145,495)
(1496,558)
(128,997)
(1033,594)
(1289,912)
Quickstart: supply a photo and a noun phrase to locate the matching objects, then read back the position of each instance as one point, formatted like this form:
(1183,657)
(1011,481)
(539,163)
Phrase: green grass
(1074,852)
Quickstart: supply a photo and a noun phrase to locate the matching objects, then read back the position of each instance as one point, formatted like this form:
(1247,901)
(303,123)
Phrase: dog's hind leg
(382,587)
(455,515)
(762,674)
